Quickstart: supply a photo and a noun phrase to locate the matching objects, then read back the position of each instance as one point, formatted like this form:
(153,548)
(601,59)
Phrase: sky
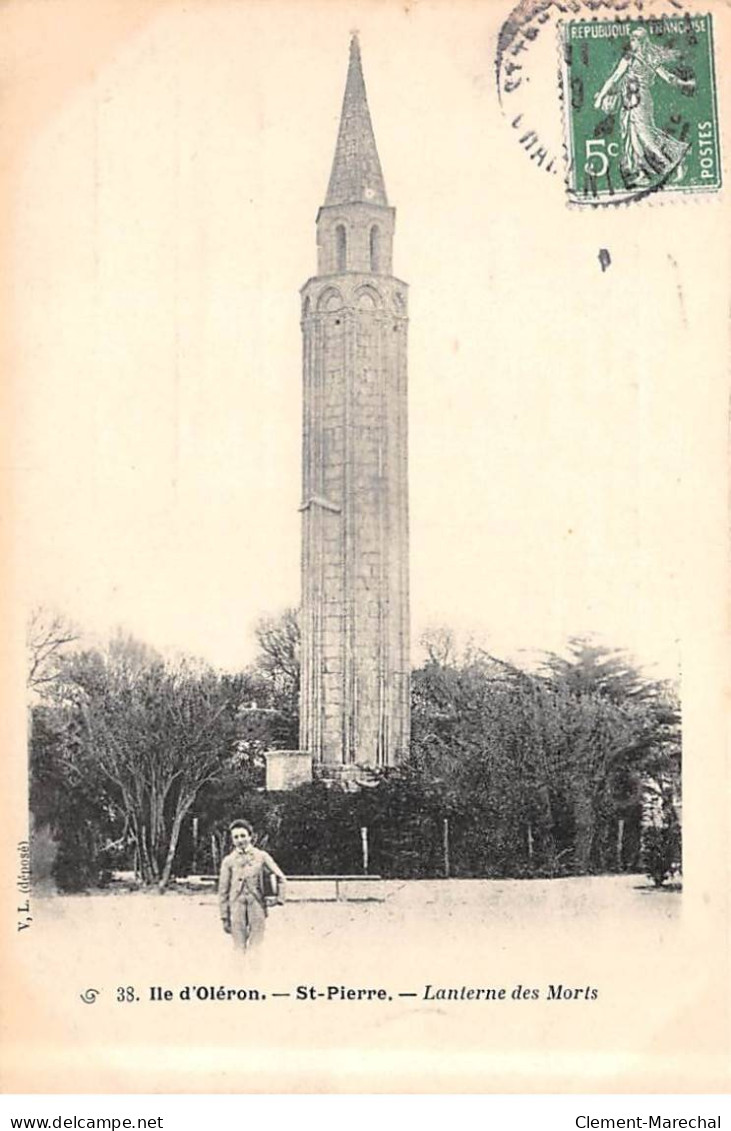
(168,161)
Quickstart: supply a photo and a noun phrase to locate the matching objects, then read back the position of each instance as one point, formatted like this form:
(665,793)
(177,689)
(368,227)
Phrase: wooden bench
(333,889)
(327,889)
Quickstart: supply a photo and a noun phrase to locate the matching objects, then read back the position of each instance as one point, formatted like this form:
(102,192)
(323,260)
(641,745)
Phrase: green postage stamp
(640,108)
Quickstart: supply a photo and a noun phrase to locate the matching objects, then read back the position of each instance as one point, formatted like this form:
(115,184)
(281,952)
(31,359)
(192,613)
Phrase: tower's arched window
(367,298)
(375,249)
(341,247)
(330,300)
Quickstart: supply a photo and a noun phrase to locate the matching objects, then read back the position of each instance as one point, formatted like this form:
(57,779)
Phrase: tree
(156,734)
(597,669)
(633,747)
(471,740)
(77,829)
(276,675)
(439,644)
(540,770)
(48,637)
(279,650)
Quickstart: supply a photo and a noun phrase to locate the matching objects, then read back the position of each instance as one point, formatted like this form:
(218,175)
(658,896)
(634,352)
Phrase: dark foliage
(72,806)
(661,852)
(141,764)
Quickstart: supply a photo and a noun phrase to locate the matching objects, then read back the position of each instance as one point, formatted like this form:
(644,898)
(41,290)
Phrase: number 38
(597,161)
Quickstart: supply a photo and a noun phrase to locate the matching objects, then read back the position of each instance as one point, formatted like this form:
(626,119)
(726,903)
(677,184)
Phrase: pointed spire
(356,175)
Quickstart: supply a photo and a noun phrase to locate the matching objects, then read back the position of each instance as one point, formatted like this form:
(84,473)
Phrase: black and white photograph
(366,515)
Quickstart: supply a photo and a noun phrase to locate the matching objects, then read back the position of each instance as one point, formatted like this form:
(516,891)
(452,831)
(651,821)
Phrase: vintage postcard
(365,545)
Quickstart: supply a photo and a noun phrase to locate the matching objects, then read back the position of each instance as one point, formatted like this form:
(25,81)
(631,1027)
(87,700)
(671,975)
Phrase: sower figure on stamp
(647,149)
(244,887)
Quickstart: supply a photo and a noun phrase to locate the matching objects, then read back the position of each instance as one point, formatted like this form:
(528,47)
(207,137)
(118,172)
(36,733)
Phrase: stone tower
(354,703)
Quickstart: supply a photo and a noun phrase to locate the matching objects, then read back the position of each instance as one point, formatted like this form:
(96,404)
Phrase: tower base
(350,777)
(287,769)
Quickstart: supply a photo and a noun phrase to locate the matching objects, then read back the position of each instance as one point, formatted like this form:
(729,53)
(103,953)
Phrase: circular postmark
(618,97)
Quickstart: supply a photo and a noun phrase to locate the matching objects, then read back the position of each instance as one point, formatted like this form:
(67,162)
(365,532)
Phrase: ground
(614,945)
(422,927)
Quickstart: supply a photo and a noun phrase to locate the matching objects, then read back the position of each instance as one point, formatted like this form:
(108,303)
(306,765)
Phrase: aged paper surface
(162,165)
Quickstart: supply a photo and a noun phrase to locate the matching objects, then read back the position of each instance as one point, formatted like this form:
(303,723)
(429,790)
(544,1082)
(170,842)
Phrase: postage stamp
(640,109)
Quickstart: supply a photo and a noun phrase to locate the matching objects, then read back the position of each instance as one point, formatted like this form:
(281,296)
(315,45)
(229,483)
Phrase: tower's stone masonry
(355,602)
